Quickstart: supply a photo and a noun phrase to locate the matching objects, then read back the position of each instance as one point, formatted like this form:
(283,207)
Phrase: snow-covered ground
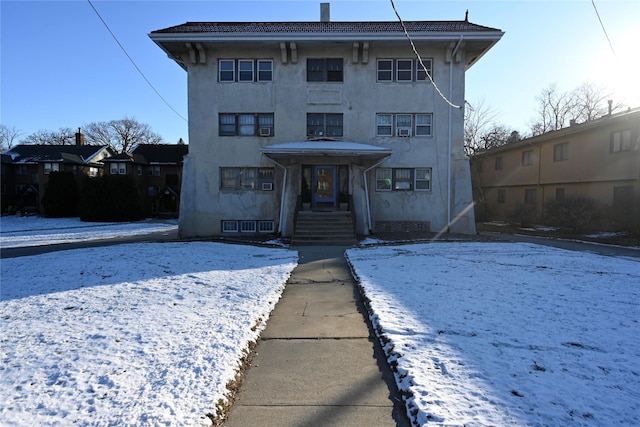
(22,231)
(150,334)
(132,334)
(508,334)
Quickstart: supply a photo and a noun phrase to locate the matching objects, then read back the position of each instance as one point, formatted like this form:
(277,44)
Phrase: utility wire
(415,50)
(133,62)
(604,29)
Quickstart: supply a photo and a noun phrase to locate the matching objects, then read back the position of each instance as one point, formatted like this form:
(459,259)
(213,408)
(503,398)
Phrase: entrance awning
(325,149)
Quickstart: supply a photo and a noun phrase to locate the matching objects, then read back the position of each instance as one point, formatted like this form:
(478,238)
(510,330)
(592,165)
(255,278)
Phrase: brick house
(288,117)
(599,159)
(156,170)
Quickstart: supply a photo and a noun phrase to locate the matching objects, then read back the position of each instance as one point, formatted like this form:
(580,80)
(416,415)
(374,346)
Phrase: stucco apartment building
(287,116)
(599,159)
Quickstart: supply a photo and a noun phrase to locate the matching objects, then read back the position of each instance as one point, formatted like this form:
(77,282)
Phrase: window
(265,70)
(403,179)
(247,178)
(51,167)
(498,163)
(423,179)
(530,197)
(559,194)
(385,70)
(118,168)
(561,152)
(153,190)
(423,124)
(247,226)
(266,226)
(245,124)
(324,69)
(324,124)
(227,70)
(139,170)
(620,141)
(153,171)
(527,158)
(404,124)
(245,70)
(403,70)
(93,172)
(502,196)
(229,226)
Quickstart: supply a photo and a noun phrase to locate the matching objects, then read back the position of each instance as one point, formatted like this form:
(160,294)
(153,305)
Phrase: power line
(604,29)
(133,62)
(415,50)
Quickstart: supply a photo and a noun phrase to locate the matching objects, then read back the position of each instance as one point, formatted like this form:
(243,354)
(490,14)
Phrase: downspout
(366,192)
(284,186)
(450,137)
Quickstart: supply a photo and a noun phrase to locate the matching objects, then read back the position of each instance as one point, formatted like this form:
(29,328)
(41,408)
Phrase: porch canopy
(326,149)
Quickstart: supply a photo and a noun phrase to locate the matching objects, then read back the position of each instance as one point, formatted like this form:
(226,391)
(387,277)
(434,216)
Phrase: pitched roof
(162,153)
(384,27)
(78,154)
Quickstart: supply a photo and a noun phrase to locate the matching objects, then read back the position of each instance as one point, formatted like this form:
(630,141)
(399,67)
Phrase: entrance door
(324,185)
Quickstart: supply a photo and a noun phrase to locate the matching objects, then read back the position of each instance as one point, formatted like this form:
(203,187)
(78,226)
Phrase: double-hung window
(561,152)
(245,124)
(265,70)
(404,70)
(51,167)
(227,70)
(325,69)
(527,158)
(245,70)
(324,124)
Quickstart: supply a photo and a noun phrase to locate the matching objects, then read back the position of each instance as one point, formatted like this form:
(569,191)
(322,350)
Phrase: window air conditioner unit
(265,131)
(404,131)
(267,186)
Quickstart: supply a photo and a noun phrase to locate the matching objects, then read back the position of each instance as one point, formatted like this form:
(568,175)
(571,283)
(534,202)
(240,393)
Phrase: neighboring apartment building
(284,114)
(599,159)
(30,166)
(156,170)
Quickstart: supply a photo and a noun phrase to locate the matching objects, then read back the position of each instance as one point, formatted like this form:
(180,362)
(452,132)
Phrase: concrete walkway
(319,363)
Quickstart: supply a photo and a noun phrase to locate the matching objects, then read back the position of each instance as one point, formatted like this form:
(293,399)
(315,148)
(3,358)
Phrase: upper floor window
(246,124)
(153,170)
(51,167)
(324,124)
(403,70)
(620,141)
(404,124)
(498,163)
(245,70)
(527,158)
(561,152)
(325,69)
(117,168)
(403,179)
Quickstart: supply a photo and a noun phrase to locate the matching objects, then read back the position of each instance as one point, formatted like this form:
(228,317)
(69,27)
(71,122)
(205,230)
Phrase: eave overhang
(325,149)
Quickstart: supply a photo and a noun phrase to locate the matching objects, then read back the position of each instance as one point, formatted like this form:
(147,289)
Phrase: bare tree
(8,136)
(593,102)
(482,131)
(121,135)
(63,136)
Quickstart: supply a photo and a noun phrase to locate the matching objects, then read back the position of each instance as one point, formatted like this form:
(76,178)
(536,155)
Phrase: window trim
(561,152)
(527,158)
(391,75)
(247,178)
(322,71)
(260,121)
(622,144)
(324,126)
(409,130)
(392,179)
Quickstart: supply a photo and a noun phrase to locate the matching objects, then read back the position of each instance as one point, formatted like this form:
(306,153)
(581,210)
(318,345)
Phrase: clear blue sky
(60,67)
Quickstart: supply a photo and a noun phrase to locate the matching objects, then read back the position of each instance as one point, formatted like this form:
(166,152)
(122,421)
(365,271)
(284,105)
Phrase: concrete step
(324,228)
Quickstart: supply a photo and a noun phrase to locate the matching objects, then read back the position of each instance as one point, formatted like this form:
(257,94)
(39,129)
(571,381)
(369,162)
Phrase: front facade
(325,115)
(599,160)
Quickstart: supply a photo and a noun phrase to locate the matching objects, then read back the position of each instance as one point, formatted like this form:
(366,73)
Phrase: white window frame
(386,71)
(423,129)
(260,72)
(242,73)
(248,226)
(266,226)
(229,226)
(403,179)
(421,76)
(122,168)
(419,181)
(399,70)
(384,124)
(232,71)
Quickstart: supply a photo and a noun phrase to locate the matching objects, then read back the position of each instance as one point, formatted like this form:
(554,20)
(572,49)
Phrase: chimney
(325,12)
(79,138)
(610,105)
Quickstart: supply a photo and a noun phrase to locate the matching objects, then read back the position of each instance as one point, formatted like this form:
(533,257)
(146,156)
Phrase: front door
(324,186)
